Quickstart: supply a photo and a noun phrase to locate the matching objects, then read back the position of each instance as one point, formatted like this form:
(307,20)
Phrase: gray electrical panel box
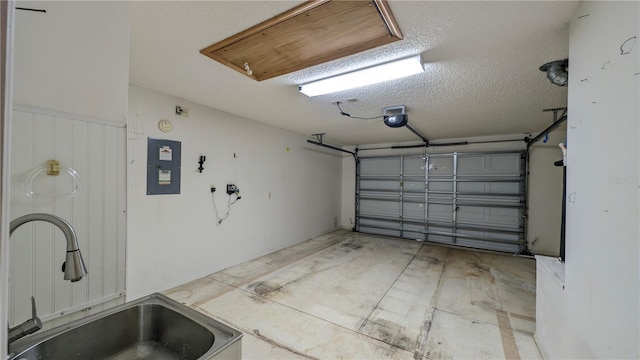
(163,167)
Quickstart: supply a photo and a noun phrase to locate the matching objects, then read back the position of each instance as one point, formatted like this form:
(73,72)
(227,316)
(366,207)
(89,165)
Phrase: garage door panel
(371,195)
(486,245)
(440,166)
(488,215)
(435,237)
(380,226)
(413,235)
(414,186)
(413,211)
(441,186)
(474,187)
(467,199)
(488,199)
(472,164)
(414,197)
(380,185)
(441,199)
(378,207)
(503,188)
(380,231)
(414,231)
(379,221)
(414,166)
(489,164)
(380,166)
(438,211)
(478,234)
(489,187)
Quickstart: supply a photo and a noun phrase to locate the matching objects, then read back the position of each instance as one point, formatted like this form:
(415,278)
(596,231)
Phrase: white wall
(602,281)
(290,192)
(97,152)
(74,58)
(545,194)
(6,64)
(348,199)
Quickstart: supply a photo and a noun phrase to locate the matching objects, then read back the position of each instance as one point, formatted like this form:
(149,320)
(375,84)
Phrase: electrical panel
(163,167)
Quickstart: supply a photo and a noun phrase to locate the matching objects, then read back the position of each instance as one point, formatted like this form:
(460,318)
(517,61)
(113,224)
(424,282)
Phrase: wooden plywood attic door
(309,34)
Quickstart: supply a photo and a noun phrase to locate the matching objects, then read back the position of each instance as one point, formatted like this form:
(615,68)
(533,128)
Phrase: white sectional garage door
(467,199)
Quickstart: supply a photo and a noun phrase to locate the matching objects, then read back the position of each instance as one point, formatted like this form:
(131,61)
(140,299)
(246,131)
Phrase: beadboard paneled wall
(96,150)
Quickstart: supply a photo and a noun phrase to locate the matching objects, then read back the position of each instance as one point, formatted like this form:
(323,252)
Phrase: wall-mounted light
(367,76)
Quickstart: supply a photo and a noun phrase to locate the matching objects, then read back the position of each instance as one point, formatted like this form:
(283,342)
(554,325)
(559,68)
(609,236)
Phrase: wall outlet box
(231,189)
(182,111)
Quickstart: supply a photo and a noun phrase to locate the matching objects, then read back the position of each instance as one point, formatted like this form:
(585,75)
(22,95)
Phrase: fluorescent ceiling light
(367,76)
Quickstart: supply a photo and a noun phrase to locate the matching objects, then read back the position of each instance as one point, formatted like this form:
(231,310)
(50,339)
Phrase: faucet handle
(28,327)
(37,323)
(34,314)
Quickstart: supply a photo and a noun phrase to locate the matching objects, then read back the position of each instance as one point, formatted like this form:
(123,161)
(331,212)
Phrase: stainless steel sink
(154,327)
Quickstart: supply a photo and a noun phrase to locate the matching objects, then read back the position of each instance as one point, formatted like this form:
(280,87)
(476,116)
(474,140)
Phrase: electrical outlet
(232,189)
(182,111)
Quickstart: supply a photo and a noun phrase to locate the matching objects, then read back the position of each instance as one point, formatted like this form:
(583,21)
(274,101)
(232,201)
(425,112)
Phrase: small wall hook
(201,161)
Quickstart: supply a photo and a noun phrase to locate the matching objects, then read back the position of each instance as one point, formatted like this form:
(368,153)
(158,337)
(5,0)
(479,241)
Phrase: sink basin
(154,327)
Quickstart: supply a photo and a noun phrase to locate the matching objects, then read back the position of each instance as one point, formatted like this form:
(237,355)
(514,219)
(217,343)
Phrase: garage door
(466,199)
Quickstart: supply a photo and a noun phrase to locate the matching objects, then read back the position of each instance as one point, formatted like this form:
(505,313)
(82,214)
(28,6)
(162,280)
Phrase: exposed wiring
(229,203)
(356,117)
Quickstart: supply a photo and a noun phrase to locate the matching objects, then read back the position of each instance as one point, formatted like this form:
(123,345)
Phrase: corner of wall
(598,311)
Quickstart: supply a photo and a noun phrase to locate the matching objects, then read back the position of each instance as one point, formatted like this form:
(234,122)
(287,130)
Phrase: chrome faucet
(74,267)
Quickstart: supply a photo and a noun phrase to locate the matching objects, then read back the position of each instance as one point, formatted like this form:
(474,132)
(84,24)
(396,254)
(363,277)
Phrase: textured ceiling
(481,75)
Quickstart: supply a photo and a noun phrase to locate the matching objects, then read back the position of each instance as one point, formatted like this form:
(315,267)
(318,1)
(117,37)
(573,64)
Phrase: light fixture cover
(557,72)
(396,121)
(367,76)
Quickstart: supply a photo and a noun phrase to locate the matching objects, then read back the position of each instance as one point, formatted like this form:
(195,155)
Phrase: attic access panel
(309,34)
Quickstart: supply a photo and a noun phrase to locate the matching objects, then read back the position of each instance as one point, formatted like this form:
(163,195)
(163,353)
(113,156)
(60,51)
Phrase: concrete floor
(346,295)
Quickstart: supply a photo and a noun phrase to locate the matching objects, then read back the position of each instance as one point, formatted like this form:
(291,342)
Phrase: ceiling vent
(557,72)
(312,33)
